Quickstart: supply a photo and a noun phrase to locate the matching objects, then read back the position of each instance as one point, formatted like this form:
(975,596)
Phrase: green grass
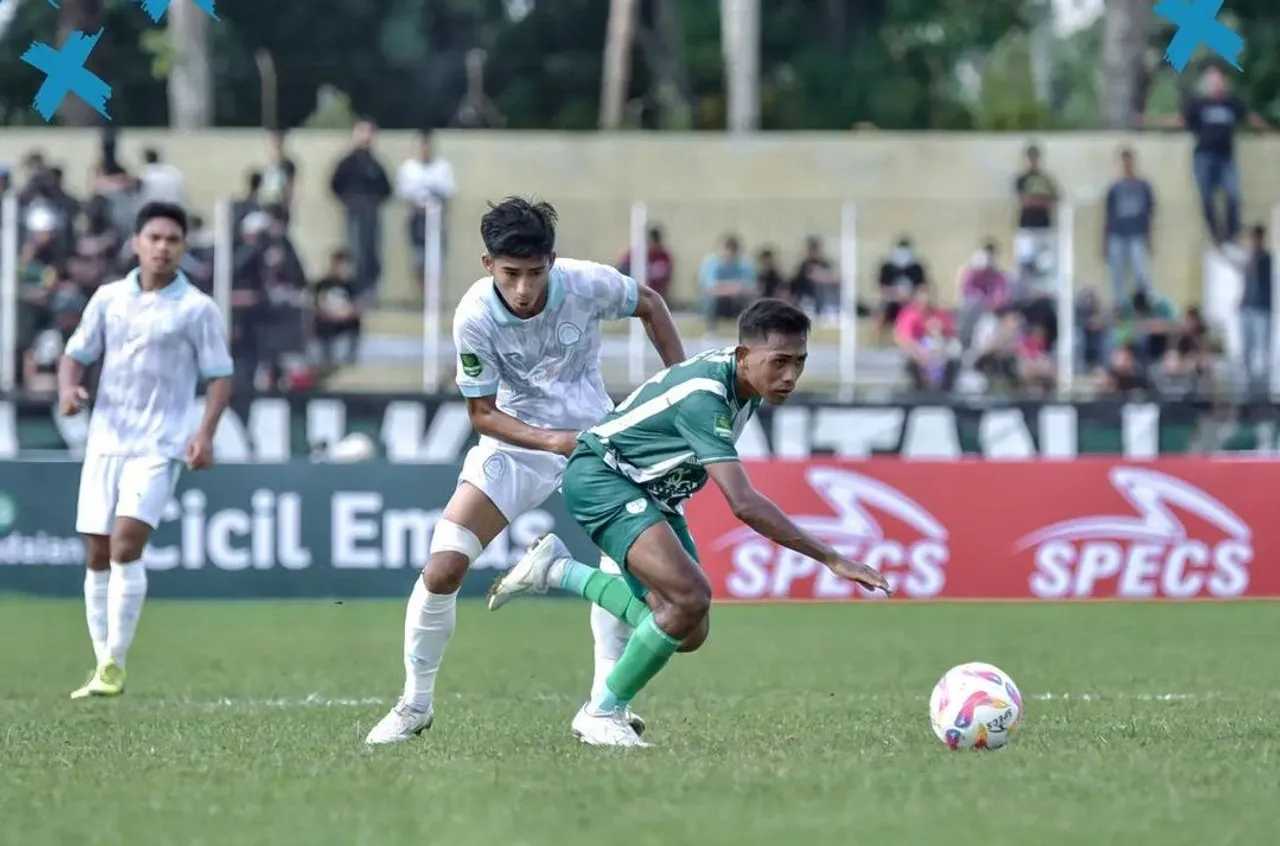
(802,724)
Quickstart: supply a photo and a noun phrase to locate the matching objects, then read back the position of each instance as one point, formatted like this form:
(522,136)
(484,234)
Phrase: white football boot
(605,729)
(403,722)
(529,575)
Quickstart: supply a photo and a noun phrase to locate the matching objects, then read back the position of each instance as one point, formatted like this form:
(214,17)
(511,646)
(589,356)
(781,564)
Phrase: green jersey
(664,435)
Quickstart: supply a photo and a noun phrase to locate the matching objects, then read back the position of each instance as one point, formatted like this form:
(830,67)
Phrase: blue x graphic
(155,9)
(65,73)
(1197,23)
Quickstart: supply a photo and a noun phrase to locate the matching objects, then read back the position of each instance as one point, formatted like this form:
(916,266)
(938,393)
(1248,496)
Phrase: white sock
(428,624)
(95,610)
(611,636)
(125,595)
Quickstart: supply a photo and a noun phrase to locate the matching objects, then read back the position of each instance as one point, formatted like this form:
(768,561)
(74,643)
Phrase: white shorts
(515,481)
(136,486)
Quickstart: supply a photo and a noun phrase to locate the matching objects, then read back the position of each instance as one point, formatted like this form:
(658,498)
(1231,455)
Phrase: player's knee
(453,550)
(694,641)
(97,552)
(127,543)
(693,600)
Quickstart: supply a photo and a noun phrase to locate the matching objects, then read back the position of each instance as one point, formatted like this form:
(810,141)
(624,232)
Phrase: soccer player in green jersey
(625,485)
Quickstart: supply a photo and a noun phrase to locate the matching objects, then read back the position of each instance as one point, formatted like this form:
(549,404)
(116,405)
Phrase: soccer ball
(975,706)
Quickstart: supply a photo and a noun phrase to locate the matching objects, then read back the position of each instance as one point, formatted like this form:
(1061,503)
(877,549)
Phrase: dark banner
(301,530)
(411,430)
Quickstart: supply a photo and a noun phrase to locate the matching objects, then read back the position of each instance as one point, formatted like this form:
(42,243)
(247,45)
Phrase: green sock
(609,592)
(646,654)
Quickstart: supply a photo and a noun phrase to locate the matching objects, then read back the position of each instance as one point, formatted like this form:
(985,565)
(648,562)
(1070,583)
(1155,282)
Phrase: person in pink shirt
(984,288)
(927,334)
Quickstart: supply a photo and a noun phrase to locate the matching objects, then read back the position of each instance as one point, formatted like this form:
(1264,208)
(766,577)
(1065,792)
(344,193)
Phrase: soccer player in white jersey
(528,343)
(156,336)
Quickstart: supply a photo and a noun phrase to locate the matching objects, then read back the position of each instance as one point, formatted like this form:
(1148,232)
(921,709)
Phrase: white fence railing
(841,363)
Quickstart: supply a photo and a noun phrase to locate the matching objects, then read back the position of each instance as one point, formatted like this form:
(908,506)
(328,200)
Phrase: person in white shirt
(528,344)
(157,336)
(419,181)
(160,182)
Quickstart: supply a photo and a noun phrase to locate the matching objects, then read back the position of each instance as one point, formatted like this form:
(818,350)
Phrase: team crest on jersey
(723,426)
(568,334)
(637,506)
(471,365)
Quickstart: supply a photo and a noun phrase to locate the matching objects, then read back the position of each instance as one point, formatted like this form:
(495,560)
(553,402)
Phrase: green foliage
(824,65)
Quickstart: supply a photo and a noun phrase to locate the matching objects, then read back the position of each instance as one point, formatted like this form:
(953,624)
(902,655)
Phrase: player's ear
(551,261)
(486,261)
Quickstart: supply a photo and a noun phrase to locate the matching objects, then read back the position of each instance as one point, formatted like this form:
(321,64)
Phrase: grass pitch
(244,724)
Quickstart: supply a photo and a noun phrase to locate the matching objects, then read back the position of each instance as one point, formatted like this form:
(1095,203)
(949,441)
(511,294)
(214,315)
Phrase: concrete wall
(947,190)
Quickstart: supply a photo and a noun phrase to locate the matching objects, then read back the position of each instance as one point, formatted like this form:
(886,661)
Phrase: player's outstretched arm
(652,311)
(488,419)
(759,513)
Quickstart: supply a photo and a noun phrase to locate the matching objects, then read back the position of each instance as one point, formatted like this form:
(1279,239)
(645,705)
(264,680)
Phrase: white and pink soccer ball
(975,706)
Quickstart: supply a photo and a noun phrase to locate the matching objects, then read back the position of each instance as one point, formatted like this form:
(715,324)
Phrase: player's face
(522,282)
(773,367)
(160,245)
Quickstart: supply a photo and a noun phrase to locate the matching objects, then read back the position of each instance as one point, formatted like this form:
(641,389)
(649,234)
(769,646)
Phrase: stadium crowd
(1001,337)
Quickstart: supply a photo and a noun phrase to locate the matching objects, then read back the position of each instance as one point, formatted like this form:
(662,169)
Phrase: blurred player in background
(156,336)
(626,483)
(528,344)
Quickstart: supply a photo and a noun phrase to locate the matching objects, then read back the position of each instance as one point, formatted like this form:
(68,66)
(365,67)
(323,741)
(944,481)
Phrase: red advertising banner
(1082,529)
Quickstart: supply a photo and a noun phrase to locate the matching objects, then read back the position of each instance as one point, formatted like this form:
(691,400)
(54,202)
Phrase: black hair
(255,180)
(1259,231)
(153,210)
(151,155)
(767,317)
(519,228)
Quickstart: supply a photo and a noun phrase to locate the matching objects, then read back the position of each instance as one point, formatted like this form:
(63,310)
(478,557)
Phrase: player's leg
(145,488)
(474,516)
(95,506)
(609,633)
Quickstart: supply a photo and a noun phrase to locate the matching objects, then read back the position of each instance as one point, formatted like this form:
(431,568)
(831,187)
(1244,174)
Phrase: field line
(319,700)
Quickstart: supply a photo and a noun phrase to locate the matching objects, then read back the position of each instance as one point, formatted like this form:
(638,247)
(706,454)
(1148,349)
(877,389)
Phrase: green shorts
(614,511)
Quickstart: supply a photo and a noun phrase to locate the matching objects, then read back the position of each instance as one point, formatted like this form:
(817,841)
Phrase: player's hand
(71,400)
(565,443)
(200,452)
(852,571)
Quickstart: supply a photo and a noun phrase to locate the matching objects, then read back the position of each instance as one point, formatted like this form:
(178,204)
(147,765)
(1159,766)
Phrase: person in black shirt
(901,273)
(1213,119)
(1255,312)
(337,311)
(1035,245)
(771,283)
(361,184)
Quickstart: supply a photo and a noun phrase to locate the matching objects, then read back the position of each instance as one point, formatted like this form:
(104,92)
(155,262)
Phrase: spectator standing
(249,203)
(660,266)
(1130,209)
(360,183)
(279,178)
(1255,313)
(727,282)
(1035,245)
(160,182)
(422,179)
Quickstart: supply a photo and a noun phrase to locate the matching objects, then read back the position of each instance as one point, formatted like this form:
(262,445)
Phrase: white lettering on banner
(913,567)
(268,535)
(40,548)
(367,535)
(1149,555)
